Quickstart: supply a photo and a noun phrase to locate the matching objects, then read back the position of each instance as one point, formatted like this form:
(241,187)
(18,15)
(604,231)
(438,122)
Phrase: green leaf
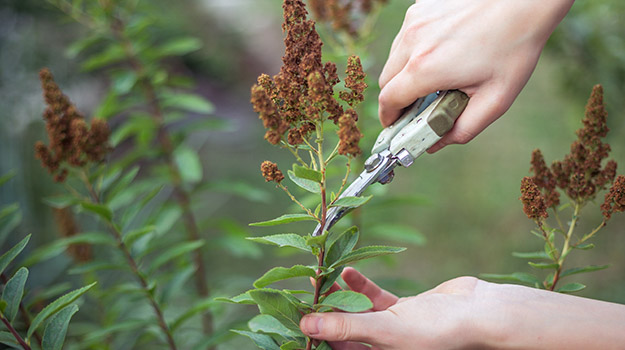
(94,266)
(7,257)
(188,163)
(134,235)
(328,280)
(54,333)
(342,246)
(366,253)
(276,304)
(584,269)
(323,346)
(543,265)
(285,219)
(347,300)
(531,255)
(55,307)
(308,185)
(9,340)
(571,288)
(351,202)
(179,47)
(512,277)
(586,246)
(241,189)
(291,345)
(110,55)
(99,209)
(243,298)
(123,81)
(13,293)
(10,218)
(282,273)
(6,177)
(398,233)
(283,240)
(59,246)
(188,102)
(269,324)
(174,252)
(263,341)
(119,326)
(307,173)
(200,306)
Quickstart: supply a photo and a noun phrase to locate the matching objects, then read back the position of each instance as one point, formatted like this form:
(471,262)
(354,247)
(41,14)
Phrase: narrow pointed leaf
(531,255)
(13,293)
(512,277)
(366,253)
(291,345)
(8,339)
(571,288)
(269,324)
(284,219)
(7,257)
(283,240)
(282,273)
(189,164)
(543,265)
(584,269)
(101,210)
(347,300)
(55,307)
(201,306)
(273,302)
(6,177)
(179,47)
(351,202)
(243,298)
(586,246)
(189,102)
(174,252)
(308,185)
(54,333)
(132,236)
(263,341)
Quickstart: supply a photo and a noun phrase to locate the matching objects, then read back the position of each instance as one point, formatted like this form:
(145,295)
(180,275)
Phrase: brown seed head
(71,141)
(271,172)
(544,179)
(349,134)
(615,198)
(355,81)
(533,201)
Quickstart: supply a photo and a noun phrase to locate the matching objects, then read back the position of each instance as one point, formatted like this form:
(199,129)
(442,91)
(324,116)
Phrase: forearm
(548,320)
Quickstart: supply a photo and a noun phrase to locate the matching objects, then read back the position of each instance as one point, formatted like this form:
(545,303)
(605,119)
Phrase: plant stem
(181,195)
(566,247)
(117,235)
(297,202)
(16,335)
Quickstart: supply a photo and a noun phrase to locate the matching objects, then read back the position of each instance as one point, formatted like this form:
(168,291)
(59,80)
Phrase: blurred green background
(471,215)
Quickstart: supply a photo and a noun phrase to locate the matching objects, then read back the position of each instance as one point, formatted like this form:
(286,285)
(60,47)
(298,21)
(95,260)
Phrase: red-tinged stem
(19,339)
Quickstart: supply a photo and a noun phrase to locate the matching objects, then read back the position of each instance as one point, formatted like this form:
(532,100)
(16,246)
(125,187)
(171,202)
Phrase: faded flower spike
(544,179)
(615,198)
(71,140)
(271,172)
(533,201)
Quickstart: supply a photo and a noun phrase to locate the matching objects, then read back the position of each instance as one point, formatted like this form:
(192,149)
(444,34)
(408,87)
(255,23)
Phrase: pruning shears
(420,126)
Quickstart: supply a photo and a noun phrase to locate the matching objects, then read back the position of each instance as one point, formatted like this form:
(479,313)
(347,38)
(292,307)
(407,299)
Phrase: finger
(483,109)
(405,88)
(357,282)
(375,328)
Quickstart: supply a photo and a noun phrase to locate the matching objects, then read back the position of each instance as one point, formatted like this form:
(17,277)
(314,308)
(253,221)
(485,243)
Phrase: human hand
(486,48)
(469,313)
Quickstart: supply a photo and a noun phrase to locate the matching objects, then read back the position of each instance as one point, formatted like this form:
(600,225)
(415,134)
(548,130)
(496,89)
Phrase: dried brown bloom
(271,172)
(80,252)
(533,201)
(301,95)
(349,135)
(355,81)
(544,179)
(580,174)
(615,198)
(71,140)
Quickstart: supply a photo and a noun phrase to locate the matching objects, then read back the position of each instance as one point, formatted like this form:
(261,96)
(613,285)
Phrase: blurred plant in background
(580,176)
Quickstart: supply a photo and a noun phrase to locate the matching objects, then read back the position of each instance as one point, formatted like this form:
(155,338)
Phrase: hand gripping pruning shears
(421,125)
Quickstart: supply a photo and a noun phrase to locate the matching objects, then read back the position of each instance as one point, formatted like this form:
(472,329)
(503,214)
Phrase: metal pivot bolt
(373,162)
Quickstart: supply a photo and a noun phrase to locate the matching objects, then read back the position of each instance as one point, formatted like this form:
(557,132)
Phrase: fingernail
(312,325)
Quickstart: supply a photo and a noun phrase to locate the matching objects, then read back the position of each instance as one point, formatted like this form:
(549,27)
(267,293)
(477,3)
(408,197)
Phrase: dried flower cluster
(615,198)
(580,175)
(71,140)
(533,201)
(301,96)
(271,172)
(342,14)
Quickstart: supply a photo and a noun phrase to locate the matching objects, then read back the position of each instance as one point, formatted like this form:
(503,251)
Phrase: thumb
(374,328)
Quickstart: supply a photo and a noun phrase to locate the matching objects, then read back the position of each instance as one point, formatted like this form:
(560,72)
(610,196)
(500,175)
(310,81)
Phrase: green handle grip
(443,117)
